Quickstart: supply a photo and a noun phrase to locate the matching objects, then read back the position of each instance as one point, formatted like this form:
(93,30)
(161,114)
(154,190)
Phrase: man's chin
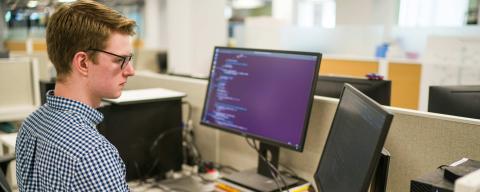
(116,96)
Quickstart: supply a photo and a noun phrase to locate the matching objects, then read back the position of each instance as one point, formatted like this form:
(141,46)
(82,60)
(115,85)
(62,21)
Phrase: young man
(58,146)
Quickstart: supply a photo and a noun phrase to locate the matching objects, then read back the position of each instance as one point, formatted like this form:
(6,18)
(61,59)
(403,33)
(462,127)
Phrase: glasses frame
(126,59)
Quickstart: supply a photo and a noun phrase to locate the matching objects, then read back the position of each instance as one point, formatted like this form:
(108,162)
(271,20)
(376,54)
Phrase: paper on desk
(142,95)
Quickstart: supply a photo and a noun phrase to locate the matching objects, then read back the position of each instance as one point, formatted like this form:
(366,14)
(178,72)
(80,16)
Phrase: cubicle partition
(19,90)
(404,74)
(418,141)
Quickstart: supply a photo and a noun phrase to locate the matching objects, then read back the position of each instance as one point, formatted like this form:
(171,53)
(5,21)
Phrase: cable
(272,168)
(289,171)
(271,165)
(151,150)
(190,148)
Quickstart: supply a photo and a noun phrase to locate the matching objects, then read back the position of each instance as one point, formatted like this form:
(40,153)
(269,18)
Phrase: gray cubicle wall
(19,90)
(417,141)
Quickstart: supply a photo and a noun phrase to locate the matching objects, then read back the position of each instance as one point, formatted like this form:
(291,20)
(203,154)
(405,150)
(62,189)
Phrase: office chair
(4,161)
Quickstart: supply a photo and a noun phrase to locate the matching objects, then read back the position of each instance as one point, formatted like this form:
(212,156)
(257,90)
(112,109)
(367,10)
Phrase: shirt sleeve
(101,170)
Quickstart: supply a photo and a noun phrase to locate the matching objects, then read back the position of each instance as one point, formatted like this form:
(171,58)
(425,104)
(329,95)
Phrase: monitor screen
(354,143)
(263,94)
(460,100)
(332,86)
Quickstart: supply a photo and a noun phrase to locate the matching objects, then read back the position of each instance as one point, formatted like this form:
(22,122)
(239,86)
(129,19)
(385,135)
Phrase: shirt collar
(64,104)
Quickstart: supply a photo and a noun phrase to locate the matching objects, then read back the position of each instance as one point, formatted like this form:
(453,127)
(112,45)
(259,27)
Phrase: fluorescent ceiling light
(32,4)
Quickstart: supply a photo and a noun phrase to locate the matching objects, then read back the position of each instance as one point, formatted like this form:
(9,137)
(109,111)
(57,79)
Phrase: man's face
(107,78)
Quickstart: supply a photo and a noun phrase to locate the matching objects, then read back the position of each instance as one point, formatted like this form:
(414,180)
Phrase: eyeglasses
(125,59)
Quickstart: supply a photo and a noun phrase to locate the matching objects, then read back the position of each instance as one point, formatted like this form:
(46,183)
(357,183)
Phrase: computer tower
(148,136)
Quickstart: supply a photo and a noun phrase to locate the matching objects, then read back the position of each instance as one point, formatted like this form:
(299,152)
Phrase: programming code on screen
(260,93)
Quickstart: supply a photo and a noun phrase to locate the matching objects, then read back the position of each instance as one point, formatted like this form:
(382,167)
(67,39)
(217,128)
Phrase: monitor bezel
(450,104)
(372,84)
(379,146)
(264,139)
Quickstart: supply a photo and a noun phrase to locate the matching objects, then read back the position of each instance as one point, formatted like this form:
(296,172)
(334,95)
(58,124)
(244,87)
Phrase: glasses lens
(126,61)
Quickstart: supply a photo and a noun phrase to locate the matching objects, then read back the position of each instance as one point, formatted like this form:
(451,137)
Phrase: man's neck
(77,92)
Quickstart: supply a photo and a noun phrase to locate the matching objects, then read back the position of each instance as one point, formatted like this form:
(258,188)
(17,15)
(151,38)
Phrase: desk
(146,128)
(16,113)
(7,142)
(188,183)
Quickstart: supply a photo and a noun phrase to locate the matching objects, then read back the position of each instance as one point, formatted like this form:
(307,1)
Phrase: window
(427,13)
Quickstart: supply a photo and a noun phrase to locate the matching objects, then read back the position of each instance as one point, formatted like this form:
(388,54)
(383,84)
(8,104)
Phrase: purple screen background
(266,96)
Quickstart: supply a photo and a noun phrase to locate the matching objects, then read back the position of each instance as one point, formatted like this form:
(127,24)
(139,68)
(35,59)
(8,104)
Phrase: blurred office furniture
(4,54)
(45,85)
(332,86)
(7,157)
(26,45)
(404,75)
(151,59)
(4,162)
(450,60)
(19,94)
(45,67)
(162,62)
(145,126)
(460,100)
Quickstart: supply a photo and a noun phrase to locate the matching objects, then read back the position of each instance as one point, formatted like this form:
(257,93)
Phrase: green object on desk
(7,127)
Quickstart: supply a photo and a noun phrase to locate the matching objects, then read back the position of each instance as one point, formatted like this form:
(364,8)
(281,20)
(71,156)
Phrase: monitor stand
(261,179)
(379,180)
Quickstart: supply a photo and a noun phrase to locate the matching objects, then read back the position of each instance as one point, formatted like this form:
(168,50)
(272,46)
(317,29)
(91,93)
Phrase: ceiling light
(32,4)
(247,4)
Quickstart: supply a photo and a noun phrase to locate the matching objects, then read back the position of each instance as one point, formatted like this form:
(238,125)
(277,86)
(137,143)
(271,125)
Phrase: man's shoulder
(64,131)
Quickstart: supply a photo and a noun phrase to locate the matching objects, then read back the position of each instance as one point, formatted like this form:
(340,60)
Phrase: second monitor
(353,147)
(332,86)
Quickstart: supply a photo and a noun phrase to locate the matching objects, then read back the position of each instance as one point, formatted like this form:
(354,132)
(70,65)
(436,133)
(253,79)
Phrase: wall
(194,28)
(366,12)
(155,24)
(417,141)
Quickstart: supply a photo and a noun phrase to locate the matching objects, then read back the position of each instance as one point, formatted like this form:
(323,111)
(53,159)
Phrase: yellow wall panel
(15,45)
(348,67)
(405,84)
(40,45)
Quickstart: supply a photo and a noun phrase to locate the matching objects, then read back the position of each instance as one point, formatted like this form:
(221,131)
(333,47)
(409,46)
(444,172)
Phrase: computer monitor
(459,100)
(4,54)
(354,143)
(262,94)
(332,86)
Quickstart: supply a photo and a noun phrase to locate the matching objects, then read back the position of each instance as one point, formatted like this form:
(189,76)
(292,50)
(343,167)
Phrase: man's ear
(81,63)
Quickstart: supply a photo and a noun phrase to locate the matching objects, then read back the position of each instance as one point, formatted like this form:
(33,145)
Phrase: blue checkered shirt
(59,149)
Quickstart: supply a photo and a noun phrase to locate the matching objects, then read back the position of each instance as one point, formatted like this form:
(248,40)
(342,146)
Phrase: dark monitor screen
(460,100)
(263,94)
(332,86)
(4,54)
(354,143)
